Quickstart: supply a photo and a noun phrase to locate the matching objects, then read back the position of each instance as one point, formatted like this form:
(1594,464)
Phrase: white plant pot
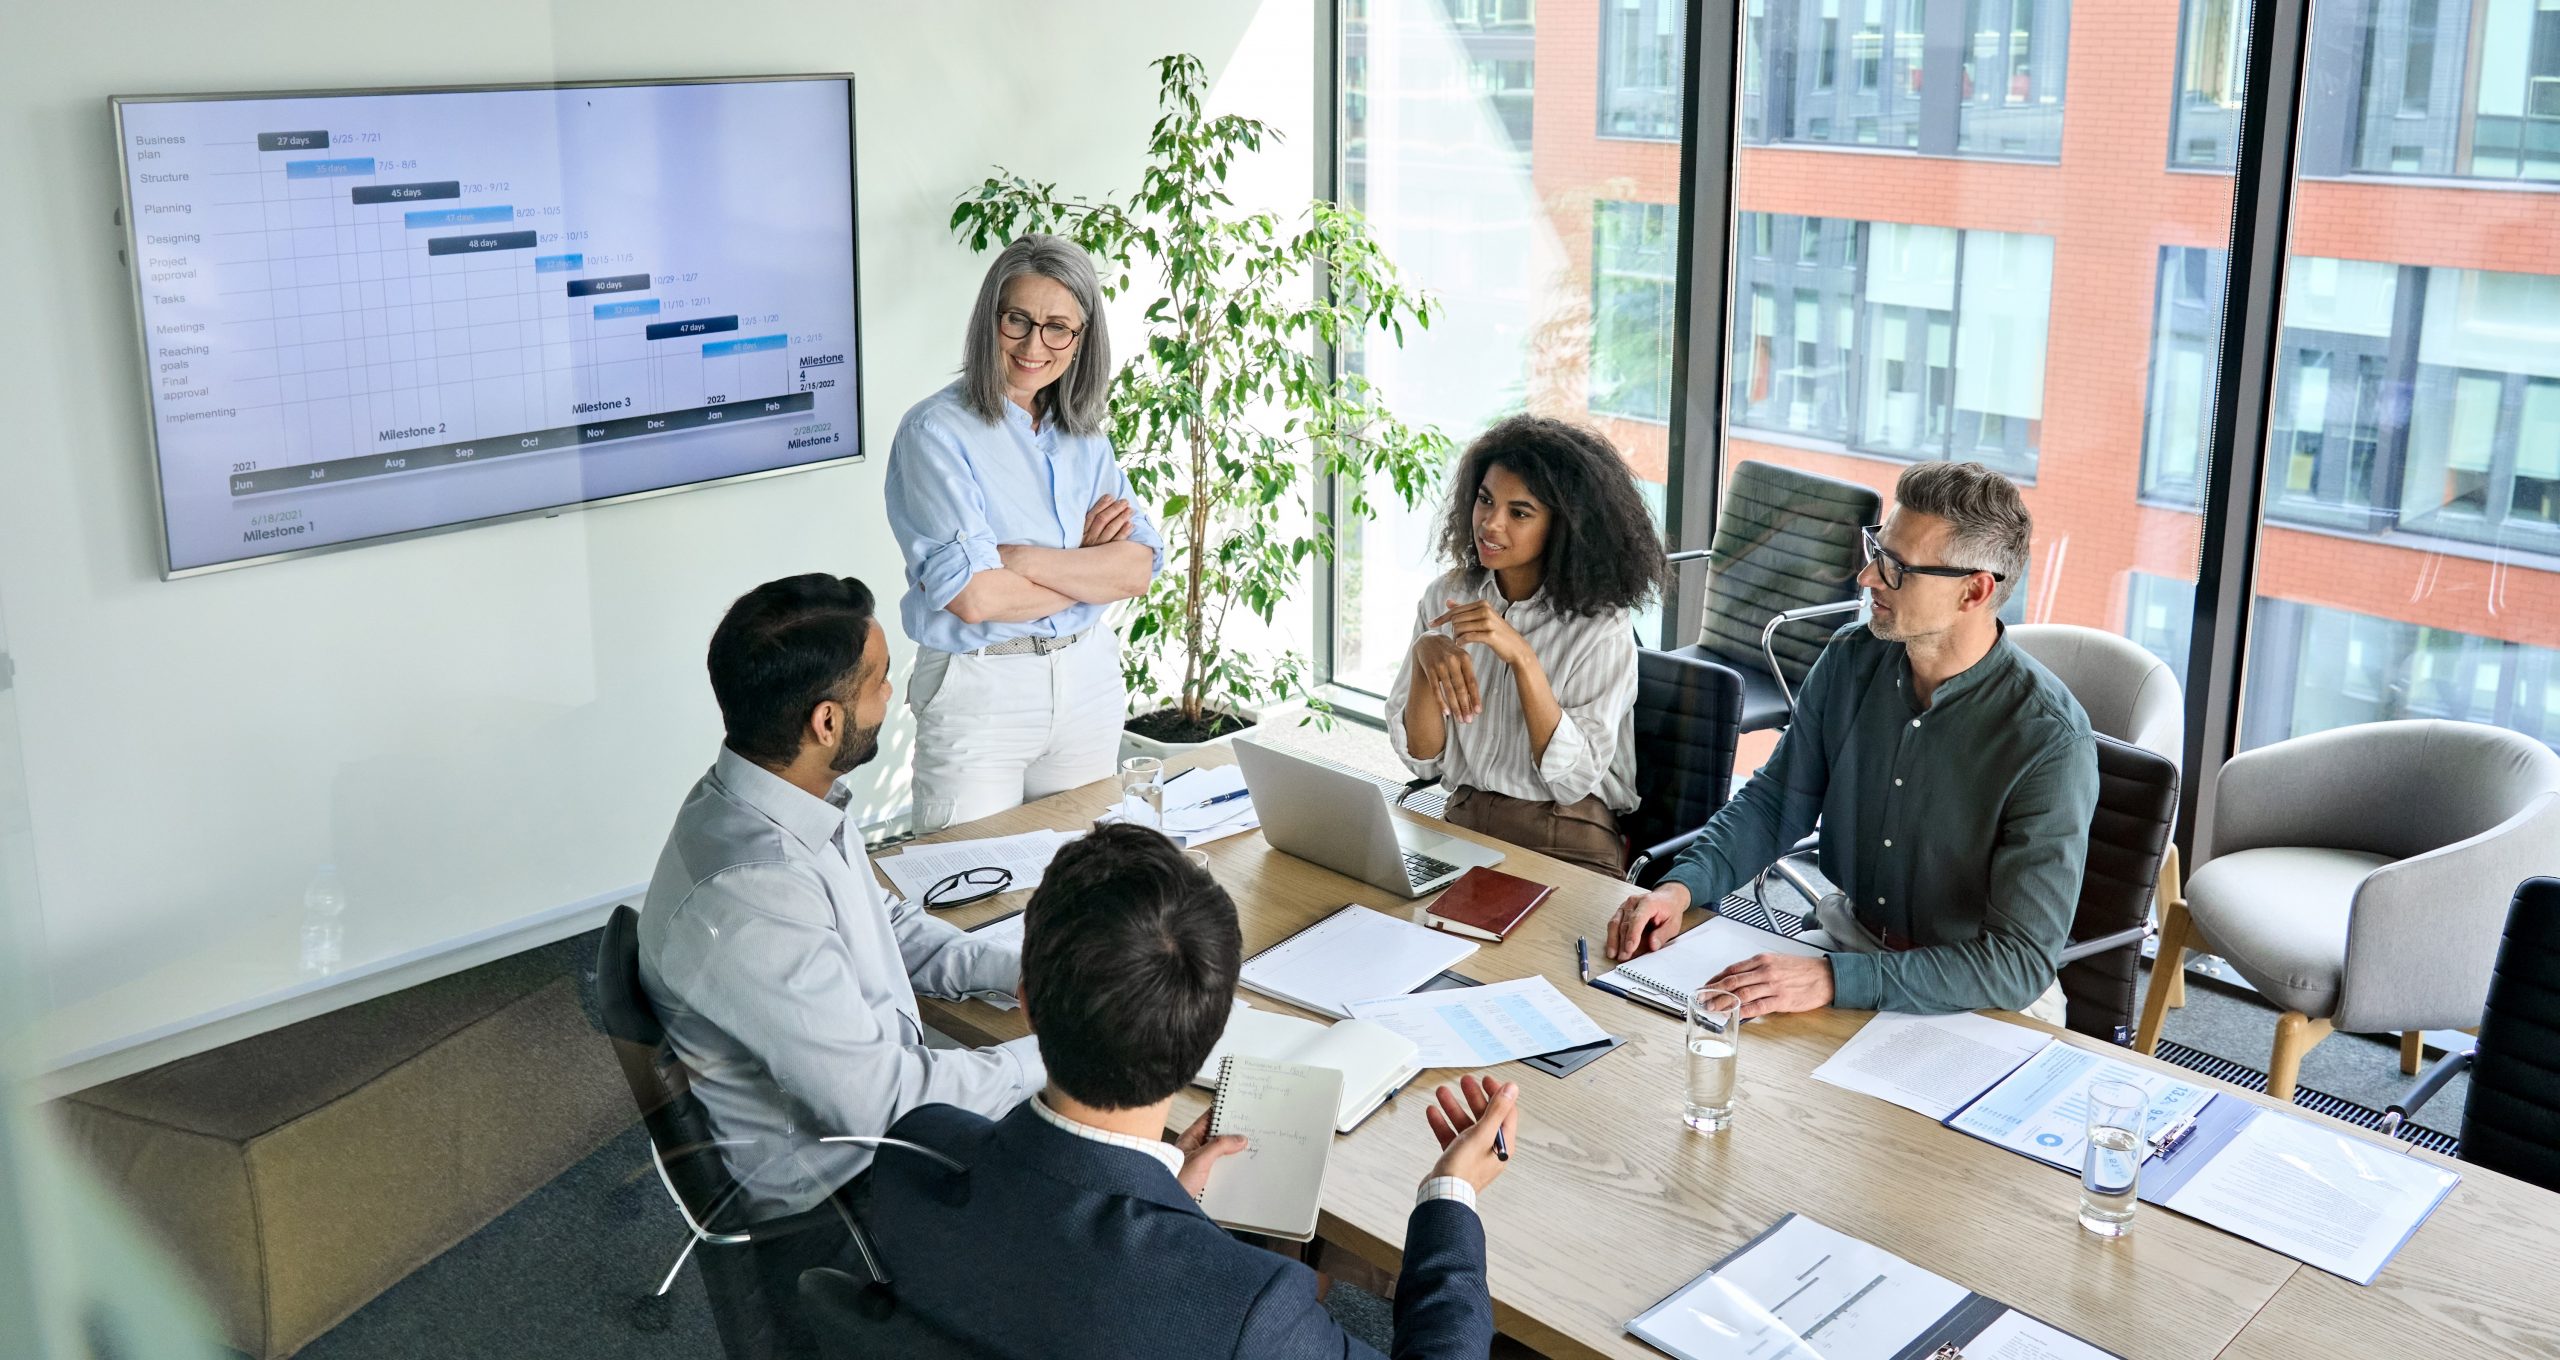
(1132,744)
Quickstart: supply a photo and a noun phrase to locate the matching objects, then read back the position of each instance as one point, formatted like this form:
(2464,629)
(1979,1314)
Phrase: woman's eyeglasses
(1014,325)
(967,886)
(1893,569)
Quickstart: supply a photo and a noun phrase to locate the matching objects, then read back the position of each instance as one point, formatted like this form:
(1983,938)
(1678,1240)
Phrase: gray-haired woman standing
(1019,531)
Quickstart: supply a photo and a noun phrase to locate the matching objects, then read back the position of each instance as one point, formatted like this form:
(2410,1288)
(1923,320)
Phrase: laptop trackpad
(1447,849)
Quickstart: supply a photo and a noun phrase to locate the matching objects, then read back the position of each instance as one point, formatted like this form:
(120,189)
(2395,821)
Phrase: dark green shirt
(1958,831)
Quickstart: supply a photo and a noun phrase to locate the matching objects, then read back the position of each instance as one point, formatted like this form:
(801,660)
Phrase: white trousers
(994,732)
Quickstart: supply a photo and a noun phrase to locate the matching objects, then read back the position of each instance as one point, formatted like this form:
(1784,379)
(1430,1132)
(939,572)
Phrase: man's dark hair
(1129,959)
(1602,551)
(781,650)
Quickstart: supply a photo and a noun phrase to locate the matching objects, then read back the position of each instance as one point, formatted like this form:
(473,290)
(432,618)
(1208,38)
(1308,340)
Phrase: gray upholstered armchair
(2358,878)
(2129,694)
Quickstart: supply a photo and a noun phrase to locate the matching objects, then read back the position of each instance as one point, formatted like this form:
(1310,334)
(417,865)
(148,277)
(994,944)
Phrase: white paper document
(918,867)
(1935,1064)
(1353,955)
(2325,1198)
(2016,1336)
(1802,1292)
(1479,1026)
(2042,1109)
(1202,805)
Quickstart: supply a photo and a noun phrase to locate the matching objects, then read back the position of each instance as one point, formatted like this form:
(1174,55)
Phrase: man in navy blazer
(1075,1231)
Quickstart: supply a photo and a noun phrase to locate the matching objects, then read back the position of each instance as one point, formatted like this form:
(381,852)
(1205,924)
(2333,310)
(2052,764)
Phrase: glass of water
(1715,1033)
(2113,1161)
(1142,791)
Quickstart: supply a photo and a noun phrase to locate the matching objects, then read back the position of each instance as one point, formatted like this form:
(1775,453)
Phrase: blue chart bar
(700,325)
(754,344)
(473,245)
(351,165)
(608,311)
(558,264)
(460,217)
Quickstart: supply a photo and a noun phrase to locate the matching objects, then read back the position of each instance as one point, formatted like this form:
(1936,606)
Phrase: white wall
(481,727)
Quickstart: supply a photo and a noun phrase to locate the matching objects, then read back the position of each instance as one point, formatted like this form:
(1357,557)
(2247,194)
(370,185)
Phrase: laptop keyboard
(1420,868)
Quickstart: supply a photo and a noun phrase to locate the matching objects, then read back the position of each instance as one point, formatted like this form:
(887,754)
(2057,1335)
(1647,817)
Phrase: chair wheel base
(652,1313)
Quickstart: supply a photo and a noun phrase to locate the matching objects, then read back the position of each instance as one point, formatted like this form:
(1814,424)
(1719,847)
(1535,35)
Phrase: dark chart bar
(293,141)
(368,194)
(537,441)
(611,283)
(700,325)
(478,242)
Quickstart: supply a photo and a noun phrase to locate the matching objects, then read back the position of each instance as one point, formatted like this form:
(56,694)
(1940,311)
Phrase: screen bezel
(170,571)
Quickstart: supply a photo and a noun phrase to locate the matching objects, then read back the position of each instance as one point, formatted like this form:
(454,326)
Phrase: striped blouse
(1591,669)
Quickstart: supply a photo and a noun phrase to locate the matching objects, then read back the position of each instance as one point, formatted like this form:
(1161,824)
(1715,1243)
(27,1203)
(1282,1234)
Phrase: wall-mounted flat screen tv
(371,314)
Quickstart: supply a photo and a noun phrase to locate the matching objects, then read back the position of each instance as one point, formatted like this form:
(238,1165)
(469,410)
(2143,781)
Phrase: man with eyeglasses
(1951,776)
(787,989)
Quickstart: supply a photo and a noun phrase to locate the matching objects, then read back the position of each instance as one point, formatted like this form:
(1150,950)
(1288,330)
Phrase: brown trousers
(1584,832)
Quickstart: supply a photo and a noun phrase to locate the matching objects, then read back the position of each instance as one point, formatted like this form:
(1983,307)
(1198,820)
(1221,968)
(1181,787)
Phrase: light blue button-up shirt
(959,486)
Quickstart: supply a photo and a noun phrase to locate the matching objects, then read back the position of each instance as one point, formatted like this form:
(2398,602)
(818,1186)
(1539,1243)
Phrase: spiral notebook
(1666,978)
(1285,1112)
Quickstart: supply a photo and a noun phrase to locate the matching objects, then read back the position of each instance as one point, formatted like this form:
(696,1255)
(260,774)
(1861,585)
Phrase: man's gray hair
(1080,399)
(1992,527)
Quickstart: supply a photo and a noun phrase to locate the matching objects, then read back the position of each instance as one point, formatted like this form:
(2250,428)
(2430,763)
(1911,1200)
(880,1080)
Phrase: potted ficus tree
(1226,417)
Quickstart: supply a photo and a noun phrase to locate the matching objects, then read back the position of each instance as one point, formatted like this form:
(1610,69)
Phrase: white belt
(1033,646)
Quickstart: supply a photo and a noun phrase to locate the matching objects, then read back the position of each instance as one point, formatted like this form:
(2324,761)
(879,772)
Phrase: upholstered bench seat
(298,1173)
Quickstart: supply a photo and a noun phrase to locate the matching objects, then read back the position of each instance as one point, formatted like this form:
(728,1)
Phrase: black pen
(1582,958)
(1501,1147)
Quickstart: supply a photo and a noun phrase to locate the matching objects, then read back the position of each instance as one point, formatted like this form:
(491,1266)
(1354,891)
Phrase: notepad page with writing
(1285,1111)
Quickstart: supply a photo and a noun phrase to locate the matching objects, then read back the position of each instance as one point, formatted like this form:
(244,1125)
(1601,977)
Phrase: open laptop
(1343,822)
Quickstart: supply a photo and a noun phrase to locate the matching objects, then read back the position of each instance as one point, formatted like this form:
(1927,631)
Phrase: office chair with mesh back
(688,1159)
(1785,553)
(2128,842)
(1688,716)
(2511,1121)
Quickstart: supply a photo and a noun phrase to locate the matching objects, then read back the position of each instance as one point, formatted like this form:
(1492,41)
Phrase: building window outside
(2013,68)
(2160,616)
(2437,88)
(1640,66)
(2213,54)
(1977,78)
(1914,341)
(2484,422)
(2186,330)
(2320,668)
(1634,277)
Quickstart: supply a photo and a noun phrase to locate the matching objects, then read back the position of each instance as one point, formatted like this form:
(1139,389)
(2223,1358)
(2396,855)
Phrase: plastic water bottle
(324,907)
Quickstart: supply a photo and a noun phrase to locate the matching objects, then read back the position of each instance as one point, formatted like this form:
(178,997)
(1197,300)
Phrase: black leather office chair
(2128,836)
(753,1324)
(1688,716)
(1783,574)
(2511,1122)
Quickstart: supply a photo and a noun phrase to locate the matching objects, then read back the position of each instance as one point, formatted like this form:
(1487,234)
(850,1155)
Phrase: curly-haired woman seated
(1519,690)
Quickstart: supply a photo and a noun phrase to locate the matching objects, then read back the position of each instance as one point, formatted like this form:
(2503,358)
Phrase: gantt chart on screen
(371,314)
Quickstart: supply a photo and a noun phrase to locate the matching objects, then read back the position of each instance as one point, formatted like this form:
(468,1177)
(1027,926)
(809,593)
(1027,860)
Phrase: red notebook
(1486,904)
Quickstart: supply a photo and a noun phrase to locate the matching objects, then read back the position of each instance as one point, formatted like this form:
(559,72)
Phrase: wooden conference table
(1610,1204)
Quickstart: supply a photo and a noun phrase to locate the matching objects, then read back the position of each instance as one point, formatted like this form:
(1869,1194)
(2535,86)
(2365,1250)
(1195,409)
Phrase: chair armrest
(2422,935)
(1796,871)
(2429,1082)
(1658,858)
(1689,555)
(2091,948)
(1414,786)
(1769,637)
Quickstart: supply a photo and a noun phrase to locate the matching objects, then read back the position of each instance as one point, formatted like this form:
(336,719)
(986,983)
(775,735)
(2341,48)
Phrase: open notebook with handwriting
(1286,1113)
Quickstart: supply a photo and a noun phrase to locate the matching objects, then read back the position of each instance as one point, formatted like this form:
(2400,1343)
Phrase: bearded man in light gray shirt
(787,988)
